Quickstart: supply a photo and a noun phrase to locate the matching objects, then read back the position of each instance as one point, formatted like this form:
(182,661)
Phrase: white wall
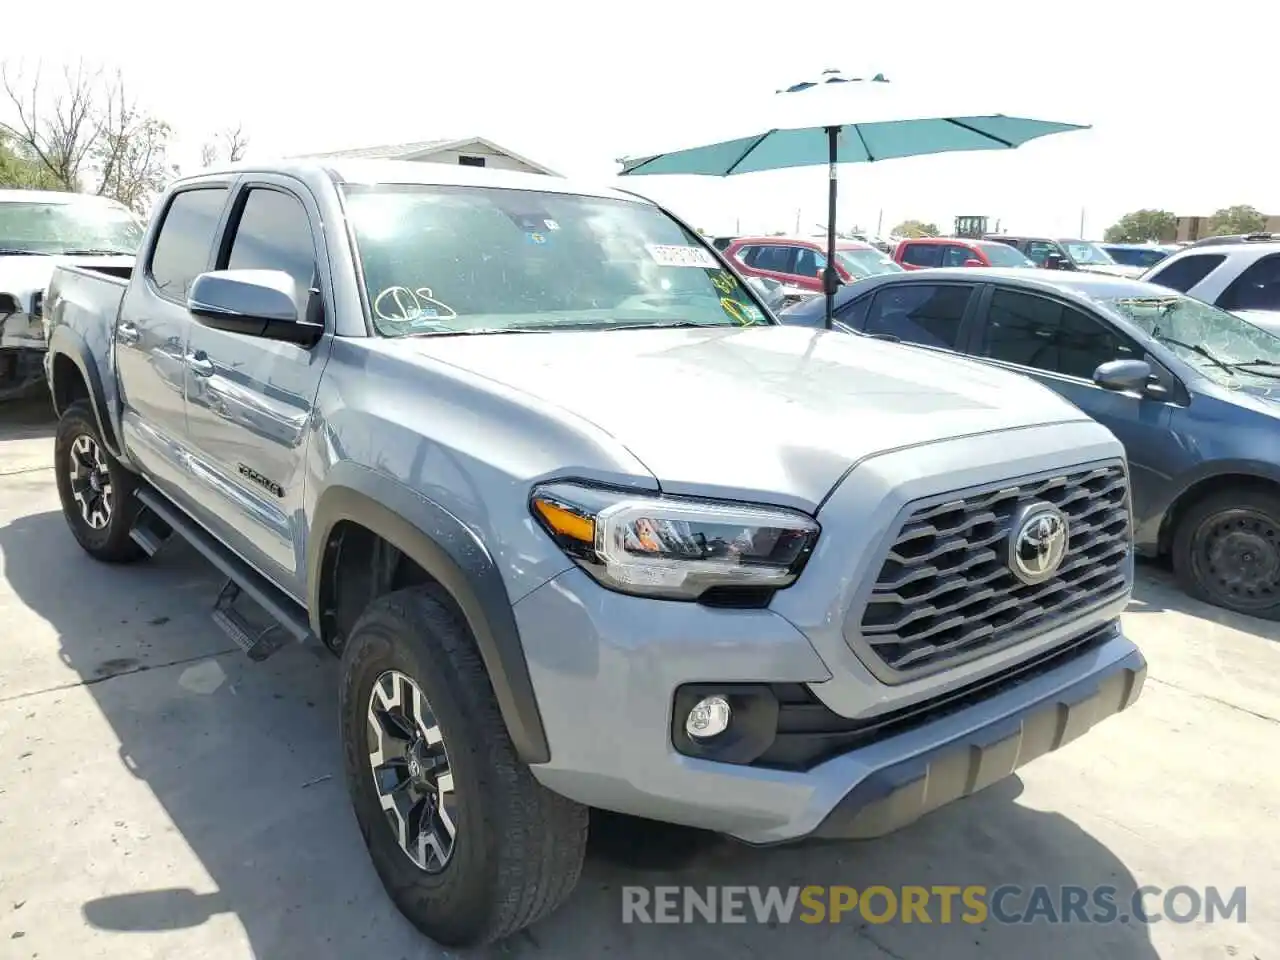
(497,161)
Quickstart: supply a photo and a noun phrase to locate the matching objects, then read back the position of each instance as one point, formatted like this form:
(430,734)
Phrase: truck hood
(23,276)
(769,413)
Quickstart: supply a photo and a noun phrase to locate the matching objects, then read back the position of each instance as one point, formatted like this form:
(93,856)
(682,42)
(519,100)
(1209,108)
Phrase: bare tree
(89,133)
(229,145)
(58,130)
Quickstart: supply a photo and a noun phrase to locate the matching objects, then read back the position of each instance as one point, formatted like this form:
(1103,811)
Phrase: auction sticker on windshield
(672,255)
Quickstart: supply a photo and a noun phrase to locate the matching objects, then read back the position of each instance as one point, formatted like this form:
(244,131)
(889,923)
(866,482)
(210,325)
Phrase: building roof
(420,150)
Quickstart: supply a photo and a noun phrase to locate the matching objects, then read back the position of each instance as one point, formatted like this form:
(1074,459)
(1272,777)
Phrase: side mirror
(973,262)
(255,303)
(1123,375)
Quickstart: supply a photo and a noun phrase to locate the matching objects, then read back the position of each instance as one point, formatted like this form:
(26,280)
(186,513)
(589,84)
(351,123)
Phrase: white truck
(40,229)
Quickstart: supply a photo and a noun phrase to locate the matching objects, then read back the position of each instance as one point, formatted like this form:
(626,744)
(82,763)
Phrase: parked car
(1191,391)
(1054,254)
(720,243)
(799,262)
(916,254)
(1241,277)
(1234,238)
(1144,255)
(38,229)
(592,530)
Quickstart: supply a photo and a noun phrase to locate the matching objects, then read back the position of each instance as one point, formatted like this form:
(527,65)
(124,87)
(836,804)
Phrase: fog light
(708,718)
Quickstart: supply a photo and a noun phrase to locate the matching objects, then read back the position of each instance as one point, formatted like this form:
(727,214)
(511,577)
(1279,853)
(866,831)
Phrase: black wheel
(96,490)
(470,847)
(1226,551)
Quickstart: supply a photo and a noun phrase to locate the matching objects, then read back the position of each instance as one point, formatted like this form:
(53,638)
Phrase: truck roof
(343,170)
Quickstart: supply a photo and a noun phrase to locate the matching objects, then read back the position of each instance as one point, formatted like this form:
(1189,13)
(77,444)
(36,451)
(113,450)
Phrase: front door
(151,333)
(249,399)
(1061,346)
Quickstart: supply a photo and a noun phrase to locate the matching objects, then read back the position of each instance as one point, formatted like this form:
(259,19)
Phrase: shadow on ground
(243,759)
(1156,591)
(27,419)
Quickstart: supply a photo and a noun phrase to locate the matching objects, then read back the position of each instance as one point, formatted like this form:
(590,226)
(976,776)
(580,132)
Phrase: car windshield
(1137,256)
(443,260)
(1221,345)
(866,263)
(1003,255)
(1081,251)
(90,225)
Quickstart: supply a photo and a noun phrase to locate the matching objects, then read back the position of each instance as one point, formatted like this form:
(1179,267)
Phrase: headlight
(676,548)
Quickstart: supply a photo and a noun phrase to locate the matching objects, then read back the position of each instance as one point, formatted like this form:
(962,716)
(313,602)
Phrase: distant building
(1197,228)
(468,152)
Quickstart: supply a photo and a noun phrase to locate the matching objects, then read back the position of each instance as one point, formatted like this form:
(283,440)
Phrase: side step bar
(290,619)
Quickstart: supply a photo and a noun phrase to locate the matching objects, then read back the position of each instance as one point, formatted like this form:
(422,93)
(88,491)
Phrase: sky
(576,85)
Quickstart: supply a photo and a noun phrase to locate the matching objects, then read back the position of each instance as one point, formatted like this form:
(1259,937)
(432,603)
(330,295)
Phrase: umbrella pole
(831,279)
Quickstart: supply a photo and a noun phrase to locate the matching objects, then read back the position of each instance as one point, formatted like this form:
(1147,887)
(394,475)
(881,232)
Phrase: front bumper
(605,668)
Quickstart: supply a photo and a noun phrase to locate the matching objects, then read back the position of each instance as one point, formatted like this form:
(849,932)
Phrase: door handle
(128,333)
(199,364)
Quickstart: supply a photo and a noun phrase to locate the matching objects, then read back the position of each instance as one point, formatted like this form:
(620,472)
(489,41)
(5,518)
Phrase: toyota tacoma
(585,525)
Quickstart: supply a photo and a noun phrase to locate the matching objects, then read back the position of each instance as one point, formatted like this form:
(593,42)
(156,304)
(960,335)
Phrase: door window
(185,240)
(854,313)
(809,262)
(1258,288)
(1038,251)
(274,234)
(1182,275)
(922,254)
(924,313)
(1037,332)
(957,256)
(774,258)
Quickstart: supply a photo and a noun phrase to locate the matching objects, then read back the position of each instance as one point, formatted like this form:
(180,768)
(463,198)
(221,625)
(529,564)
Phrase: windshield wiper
(94,252)
(1194,348)
(1258,363)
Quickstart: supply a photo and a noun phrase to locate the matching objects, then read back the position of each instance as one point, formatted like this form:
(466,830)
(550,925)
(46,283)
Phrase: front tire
(469,846)
(96,490)
(1226,551)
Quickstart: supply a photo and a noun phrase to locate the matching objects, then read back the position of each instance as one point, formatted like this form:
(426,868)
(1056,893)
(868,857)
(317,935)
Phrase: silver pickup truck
(586,526)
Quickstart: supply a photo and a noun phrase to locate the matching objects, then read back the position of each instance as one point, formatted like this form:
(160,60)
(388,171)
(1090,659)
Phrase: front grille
(945,590)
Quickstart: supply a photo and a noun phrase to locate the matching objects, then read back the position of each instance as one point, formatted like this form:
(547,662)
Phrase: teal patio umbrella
(836,119)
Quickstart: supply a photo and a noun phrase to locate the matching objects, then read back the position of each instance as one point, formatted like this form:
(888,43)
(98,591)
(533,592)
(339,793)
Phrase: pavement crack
(139,668)
(1212,699)
(20,470)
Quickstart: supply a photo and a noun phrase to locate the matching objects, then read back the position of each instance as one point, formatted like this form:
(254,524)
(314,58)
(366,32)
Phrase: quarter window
(1182,275)
(925,313)
(1037,332)
(185,240)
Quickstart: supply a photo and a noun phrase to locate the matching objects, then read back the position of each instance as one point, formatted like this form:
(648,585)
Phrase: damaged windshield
(1220,345)
(76,225)
(450,260)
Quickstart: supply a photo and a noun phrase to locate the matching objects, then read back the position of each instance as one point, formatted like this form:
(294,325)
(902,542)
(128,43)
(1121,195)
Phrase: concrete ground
(161,796)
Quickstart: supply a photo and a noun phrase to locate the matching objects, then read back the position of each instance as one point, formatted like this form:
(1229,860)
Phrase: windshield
(440,260)
(1220,345)
(1003,255)
(88,225)
(1081,251)
(866,263)
(1137,256)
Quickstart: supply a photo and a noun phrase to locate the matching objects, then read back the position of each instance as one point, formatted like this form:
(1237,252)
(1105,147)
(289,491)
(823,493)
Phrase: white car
(1241,277)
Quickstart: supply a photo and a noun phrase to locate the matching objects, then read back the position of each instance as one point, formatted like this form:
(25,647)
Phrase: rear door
(773,260)
(250,399)
(151,332)
(1060,345)
(917,256)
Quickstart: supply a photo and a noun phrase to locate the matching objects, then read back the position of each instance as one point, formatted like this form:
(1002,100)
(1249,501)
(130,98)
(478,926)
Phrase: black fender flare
(66,342)
(450,553)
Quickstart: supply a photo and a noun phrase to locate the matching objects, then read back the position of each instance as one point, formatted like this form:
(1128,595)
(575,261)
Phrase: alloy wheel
(91,482)
(411,772)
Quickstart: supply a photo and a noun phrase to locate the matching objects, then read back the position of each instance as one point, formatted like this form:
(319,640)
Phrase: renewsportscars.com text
(937,904)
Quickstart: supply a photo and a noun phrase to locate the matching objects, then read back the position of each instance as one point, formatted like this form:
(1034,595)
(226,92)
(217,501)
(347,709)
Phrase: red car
(800,262)
(955,252)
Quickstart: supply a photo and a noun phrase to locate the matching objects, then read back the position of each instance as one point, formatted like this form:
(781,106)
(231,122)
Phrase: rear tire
(1226,551)
(509,851)
(96,490)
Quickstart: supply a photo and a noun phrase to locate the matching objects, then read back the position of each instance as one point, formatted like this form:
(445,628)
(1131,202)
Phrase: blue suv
(1189,389)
